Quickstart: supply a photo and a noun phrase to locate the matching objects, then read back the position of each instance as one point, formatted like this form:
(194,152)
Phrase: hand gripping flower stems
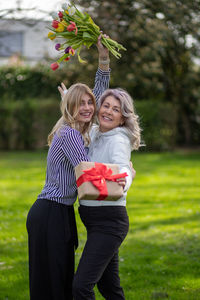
(77,29)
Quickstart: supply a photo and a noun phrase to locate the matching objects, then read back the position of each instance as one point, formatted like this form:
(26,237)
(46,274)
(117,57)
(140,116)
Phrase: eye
(116,110)
(90,102)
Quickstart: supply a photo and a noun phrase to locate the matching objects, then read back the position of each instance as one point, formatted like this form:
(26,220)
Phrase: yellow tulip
(51,35)
(64,23)
(60,27)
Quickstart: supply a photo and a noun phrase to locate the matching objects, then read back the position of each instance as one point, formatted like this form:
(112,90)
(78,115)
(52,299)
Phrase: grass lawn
(160,257)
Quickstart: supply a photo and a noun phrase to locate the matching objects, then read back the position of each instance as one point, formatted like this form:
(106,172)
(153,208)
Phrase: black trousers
(52,238)
(107,227)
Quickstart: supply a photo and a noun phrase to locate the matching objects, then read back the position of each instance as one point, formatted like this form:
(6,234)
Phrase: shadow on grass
(168,221)
(163,269)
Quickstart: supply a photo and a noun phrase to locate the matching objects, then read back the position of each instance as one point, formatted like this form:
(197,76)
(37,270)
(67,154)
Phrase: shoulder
(69,134)
(121,137)
(66,130)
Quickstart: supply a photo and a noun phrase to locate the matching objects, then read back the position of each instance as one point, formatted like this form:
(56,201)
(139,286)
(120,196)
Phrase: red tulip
(67,58)
(54,66)
(55,24)
(60,14)
(72,27)
(72,51)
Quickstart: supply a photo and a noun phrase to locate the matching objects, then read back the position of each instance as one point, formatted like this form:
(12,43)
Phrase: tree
(162,40)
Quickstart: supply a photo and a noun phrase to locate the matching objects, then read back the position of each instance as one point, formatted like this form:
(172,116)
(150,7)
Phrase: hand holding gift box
(97,181)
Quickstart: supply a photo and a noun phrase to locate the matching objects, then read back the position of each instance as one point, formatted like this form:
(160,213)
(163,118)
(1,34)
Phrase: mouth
(107,119)
(86,115)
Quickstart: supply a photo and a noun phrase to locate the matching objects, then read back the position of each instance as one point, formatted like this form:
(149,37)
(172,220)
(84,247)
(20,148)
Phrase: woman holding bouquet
(51,224)
(106,221)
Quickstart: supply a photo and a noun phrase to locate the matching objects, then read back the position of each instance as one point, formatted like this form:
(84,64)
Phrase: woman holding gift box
(106,221)
(51,225)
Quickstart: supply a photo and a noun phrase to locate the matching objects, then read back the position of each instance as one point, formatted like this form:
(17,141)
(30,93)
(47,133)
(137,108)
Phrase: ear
(122,121)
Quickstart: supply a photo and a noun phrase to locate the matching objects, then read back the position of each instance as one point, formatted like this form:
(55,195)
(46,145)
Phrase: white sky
(34,5)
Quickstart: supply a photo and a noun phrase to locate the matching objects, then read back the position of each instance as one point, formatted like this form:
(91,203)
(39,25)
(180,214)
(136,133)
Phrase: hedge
(25,124)
(158,123)
(33,82)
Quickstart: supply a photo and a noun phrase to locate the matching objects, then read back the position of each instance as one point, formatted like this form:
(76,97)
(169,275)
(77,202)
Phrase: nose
(86,106)
(109,110)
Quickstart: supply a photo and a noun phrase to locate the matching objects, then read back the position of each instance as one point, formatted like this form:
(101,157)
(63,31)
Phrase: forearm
(104,63)
(129,178)
(102,80)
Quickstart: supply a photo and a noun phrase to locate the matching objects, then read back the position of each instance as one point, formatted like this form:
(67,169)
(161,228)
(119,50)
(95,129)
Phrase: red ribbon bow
(98,176)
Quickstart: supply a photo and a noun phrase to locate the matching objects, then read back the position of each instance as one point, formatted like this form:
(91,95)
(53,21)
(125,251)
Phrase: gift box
(97,181)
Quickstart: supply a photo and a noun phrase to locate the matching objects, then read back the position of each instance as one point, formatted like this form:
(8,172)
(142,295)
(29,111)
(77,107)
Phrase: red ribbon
(98,176)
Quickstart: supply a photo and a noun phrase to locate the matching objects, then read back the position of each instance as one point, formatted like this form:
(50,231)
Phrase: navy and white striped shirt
(66,151)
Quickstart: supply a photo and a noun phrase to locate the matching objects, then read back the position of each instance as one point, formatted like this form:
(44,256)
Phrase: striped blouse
(66,151)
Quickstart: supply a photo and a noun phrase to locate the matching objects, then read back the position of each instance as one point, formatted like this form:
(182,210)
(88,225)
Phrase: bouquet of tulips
(77,29)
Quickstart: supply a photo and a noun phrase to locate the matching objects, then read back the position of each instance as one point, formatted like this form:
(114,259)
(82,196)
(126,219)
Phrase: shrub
(32,82)
(25,124)
(158,121)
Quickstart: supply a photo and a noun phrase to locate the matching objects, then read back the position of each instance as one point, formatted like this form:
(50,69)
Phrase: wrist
(104,60)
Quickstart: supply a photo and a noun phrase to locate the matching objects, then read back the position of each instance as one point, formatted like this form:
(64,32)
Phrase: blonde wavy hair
(131,119)
(69,107)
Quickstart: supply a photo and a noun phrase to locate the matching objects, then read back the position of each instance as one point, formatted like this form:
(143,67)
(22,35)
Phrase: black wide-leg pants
(52,238)
(106,227)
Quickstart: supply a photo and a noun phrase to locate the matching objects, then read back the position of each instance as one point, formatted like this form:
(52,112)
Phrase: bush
(25,124)
(32,82)
(158,122)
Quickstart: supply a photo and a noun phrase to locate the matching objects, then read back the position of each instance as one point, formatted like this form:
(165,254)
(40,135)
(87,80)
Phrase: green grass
(160,257)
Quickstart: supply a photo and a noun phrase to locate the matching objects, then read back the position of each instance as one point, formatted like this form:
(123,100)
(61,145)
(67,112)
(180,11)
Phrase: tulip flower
(68,49)
(72,51)
(64,23)
(60,14)
(51,35)
(57,47)
(55,24)
(72,27)
(60,27)
(54,66)
(67,58)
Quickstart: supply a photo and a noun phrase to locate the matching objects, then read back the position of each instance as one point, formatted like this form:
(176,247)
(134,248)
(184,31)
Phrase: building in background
(25,41)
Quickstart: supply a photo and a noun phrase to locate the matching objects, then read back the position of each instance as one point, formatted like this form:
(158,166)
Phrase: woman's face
(110,115)
(86,109)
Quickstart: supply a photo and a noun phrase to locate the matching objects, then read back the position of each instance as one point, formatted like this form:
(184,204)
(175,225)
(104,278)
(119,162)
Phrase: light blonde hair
(69,107)
(131,119)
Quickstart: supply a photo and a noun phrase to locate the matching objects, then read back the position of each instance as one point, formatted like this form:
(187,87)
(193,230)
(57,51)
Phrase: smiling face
(110,115)
(86,110)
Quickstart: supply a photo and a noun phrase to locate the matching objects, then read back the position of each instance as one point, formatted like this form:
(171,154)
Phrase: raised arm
(104,59)
(102,77)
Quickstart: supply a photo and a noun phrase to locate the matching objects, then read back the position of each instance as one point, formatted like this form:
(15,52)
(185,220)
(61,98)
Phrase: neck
(104,129)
